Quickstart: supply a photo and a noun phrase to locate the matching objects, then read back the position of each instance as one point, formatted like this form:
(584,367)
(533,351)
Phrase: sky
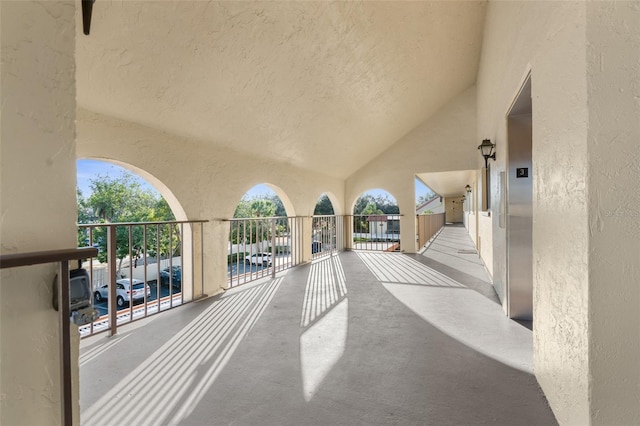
(88,169)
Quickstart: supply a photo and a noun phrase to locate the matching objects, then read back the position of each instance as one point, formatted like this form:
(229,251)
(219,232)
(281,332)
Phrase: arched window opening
(376,222)
(131,220)
(263,239)
(327,230)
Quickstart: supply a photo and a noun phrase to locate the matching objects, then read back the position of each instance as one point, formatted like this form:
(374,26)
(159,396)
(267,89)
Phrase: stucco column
(406,198)
(38,200)
(216,239)
(613,170)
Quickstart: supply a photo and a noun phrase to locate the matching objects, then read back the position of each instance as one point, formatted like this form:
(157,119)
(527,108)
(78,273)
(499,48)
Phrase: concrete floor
(355,339)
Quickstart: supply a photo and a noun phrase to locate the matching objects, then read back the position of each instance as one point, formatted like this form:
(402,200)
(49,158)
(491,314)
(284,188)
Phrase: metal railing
(428,226)
(62,257)
(163,259)
(328,235)
(260,247)
(376,232)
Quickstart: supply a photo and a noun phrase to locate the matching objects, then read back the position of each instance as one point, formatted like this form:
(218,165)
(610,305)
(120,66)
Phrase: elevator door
(520,208)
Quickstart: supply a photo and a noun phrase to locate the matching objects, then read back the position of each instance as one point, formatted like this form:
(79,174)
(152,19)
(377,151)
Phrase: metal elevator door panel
(520,217)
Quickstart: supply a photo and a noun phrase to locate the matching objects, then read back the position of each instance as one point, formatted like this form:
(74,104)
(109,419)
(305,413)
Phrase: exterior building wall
(583,62)
(37,201)
(546,39)
(454,210)
(200,181)
(485,246)
(613,176)
(471,225)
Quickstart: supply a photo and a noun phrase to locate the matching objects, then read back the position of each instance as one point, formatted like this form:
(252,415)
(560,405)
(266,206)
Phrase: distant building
(434,205)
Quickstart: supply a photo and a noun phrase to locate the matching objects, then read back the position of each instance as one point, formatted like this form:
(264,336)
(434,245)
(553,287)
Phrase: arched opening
(264,235)
(376,222)
(324,206)
(327,228)
(142,234)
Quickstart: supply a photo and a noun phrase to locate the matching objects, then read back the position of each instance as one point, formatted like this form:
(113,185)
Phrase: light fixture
(87,9)
(468,189)
(487,150)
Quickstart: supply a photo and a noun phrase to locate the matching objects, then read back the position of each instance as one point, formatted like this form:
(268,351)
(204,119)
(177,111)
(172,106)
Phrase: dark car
(174,277)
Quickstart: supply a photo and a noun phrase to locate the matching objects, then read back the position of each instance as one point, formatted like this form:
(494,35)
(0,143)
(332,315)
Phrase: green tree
(387,205)
(84,216)
(255,207)
(122,199)
(280,210)
(367,205)
(323,206)
(361,203)
(256,230)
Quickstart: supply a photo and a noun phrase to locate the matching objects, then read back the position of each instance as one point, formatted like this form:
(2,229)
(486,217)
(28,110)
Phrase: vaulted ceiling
(314,84)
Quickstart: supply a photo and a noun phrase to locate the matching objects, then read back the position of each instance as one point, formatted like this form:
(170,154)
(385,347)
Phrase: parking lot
(102,306)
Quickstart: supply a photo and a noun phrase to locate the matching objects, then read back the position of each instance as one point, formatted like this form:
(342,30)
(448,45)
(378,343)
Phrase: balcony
(356,337)
(165,260)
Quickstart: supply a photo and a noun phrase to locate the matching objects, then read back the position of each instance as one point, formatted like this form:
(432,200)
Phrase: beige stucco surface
(200,180)
(207,99)
(298,82)
(485,237)
(582,59)
(547,39)
(451,129)
(613,170)
(37,200)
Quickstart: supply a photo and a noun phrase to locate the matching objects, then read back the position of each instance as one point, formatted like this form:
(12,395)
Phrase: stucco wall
(454,210)
(613,167)
(485,236)
(202,180)
(443,142)
(37,201)
(547,39)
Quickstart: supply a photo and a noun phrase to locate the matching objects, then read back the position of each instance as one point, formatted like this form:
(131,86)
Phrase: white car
(123,291)
(263,259)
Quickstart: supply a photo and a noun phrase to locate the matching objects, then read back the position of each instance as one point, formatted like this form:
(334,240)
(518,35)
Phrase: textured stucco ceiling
(322,85)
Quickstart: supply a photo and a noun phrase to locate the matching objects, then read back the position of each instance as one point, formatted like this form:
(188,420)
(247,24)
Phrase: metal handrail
(49,256)
(112,242)
(164,222)
(63,256)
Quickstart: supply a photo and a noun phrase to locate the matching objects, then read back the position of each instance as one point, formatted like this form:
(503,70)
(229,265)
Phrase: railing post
(65,344)
(273,248)
(111,260)
(202,259)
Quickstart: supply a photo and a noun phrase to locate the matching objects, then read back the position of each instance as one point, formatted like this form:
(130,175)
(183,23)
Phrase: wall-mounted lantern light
(487,150)
(468,189)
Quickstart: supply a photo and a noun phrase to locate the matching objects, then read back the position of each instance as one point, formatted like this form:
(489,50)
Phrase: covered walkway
(361,338)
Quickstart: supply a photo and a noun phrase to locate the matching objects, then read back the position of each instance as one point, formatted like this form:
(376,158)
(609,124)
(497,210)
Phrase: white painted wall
(37,200)
(202,181)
